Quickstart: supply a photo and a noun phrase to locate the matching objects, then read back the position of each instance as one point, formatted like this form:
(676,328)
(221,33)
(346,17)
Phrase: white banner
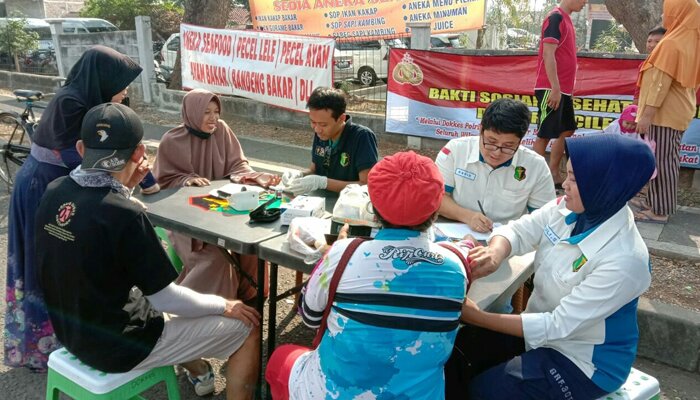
(271,68)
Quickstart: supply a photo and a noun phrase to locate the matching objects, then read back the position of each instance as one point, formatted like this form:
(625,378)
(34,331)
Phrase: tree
(615,39)
(121,13)
(211,13)
(16,40)
(637,16)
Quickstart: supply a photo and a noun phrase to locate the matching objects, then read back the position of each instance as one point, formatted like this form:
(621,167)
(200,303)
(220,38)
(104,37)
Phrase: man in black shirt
(342,152)
(108,283)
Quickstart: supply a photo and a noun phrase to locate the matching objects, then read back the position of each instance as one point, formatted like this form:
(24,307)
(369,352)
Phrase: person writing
(577,338)
(491,177)
(342,152)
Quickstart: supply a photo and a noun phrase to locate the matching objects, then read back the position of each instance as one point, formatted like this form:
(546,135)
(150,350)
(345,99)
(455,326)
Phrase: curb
(672,250)
(669,334)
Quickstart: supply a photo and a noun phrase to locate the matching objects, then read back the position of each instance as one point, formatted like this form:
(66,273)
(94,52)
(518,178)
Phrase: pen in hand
(481,208)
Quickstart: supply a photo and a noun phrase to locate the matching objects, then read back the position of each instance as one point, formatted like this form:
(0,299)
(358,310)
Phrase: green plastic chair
(68,375)
(169,249)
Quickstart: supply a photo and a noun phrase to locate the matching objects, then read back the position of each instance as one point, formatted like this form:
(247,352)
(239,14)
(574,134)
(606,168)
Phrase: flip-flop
(642,217)
(639,204)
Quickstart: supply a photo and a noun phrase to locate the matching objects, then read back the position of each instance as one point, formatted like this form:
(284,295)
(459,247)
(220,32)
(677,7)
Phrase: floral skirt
(29,335)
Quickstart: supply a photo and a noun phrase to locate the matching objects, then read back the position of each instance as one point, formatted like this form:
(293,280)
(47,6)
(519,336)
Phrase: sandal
(638,204)
(642,216)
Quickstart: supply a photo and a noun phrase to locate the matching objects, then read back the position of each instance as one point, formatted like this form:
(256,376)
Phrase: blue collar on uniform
(505,164)
(397,234)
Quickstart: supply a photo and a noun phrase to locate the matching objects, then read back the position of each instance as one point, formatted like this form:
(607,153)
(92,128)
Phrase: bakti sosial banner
(275,69)
(440,95)
(364,18)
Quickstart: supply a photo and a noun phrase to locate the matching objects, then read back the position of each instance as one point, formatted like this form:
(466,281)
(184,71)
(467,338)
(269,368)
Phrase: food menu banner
(364,18)
(271,68)
(441,95)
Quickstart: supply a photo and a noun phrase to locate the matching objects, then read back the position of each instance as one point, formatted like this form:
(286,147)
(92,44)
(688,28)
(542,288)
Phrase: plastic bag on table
(354,207)
(306,235)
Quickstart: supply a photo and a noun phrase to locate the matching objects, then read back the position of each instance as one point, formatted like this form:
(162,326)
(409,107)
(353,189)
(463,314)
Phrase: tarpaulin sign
(441,95)
(271,68)
(365,18)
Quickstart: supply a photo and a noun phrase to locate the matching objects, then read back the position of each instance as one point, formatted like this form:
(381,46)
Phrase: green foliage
(119,12)
(15,40)
(615,39)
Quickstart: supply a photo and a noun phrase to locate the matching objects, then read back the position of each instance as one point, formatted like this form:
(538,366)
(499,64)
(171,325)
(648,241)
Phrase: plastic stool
(71,376)
(639,386)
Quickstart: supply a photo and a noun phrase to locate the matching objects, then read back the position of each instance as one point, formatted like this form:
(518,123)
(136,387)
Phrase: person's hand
(139,173)
(644,124)
(343,233)
(484,261)
(554,99)
(237,310)
(307,184)
(197,181)
(469,311)
(289,176)
(271,179)
(479,222)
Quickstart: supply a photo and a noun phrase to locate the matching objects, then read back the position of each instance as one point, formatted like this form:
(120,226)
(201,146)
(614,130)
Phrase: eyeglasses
(505,150)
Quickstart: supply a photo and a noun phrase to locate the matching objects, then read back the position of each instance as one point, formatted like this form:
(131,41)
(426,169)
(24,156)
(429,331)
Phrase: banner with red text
(441,95)
(365,18)
(271,68)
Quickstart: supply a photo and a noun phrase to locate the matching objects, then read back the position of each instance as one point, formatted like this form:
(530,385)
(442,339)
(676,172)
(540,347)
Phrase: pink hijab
(182,155)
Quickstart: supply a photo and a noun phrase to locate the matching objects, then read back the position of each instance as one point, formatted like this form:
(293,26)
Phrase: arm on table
(476,221)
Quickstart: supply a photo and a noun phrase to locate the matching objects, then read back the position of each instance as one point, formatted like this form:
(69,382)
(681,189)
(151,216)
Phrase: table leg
(272,311)
(260,304)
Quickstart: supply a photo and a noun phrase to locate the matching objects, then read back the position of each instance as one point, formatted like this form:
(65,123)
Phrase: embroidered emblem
(344,159)
(465,174)
(578,263)
(65,212)
(320,151)
(519,173)
(103,135)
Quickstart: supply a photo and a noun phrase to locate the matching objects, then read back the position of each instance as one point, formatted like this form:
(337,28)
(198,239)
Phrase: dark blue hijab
(609,171)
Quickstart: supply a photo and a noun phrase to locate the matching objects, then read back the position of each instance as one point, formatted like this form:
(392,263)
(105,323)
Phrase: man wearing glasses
(491,177)
(342,153)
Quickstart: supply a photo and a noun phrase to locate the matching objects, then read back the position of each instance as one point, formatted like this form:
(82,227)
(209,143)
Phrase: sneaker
(203,384)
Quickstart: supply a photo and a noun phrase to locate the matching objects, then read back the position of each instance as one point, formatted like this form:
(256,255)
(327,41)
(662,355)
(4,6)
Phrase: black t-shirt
(356,151)
(92,247)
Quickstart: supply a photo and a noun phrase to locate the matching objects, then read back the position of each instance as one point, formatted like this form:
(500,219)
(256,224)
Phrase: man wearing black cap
(108,283)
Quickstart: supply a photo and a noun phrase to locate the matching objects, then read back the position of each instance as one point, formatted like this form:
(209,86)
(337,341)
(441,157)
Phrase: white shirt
(505,192)
(587,314)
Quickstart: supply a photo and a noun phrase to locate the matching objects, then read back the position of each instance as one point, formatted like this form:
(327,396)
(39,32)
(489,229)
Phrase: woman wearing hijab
(200,150)
(578,336)
(669,80)
(100,74)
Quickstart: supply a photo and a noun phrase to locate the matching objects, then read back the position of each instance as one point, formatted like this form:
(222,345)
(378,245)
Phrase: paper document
(458,230)
(230,188)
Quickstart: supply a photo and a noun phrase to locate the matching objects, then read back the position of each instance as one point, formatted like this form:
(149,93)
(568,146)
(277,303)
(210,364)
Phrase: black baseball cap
(110,133)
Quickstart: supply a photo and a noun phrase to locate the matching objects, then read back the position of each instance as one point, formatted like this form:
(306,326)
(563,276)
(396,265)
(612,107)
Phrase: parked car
(168,52)
(85,25)
(521,39)
(370,59)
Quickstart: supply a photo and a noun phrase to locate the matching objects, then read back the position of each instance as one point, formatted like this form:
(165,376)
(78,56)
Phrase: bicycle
(16,131)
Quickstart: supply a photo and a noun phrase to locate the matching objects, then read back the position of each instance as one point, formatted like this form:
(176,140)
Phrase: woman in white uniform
(578,336)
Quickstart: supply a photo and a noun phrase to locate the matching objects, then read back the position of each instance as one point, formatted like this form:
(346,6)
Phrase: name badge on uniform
(465,174)
(549,233)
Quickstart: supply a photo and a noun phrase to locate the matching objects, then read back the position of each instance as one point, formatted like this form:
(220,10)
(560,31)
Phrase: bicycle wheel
(14,147)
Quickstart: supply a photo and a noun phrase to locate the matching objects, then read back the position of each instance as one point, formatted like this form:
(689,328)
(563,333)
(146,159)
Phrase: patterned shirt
(393,322)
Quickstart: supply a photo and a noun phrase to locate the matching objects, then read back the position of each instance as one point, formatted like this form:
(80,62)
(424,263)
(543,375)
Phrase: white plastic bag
(306,235)
(354,207)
